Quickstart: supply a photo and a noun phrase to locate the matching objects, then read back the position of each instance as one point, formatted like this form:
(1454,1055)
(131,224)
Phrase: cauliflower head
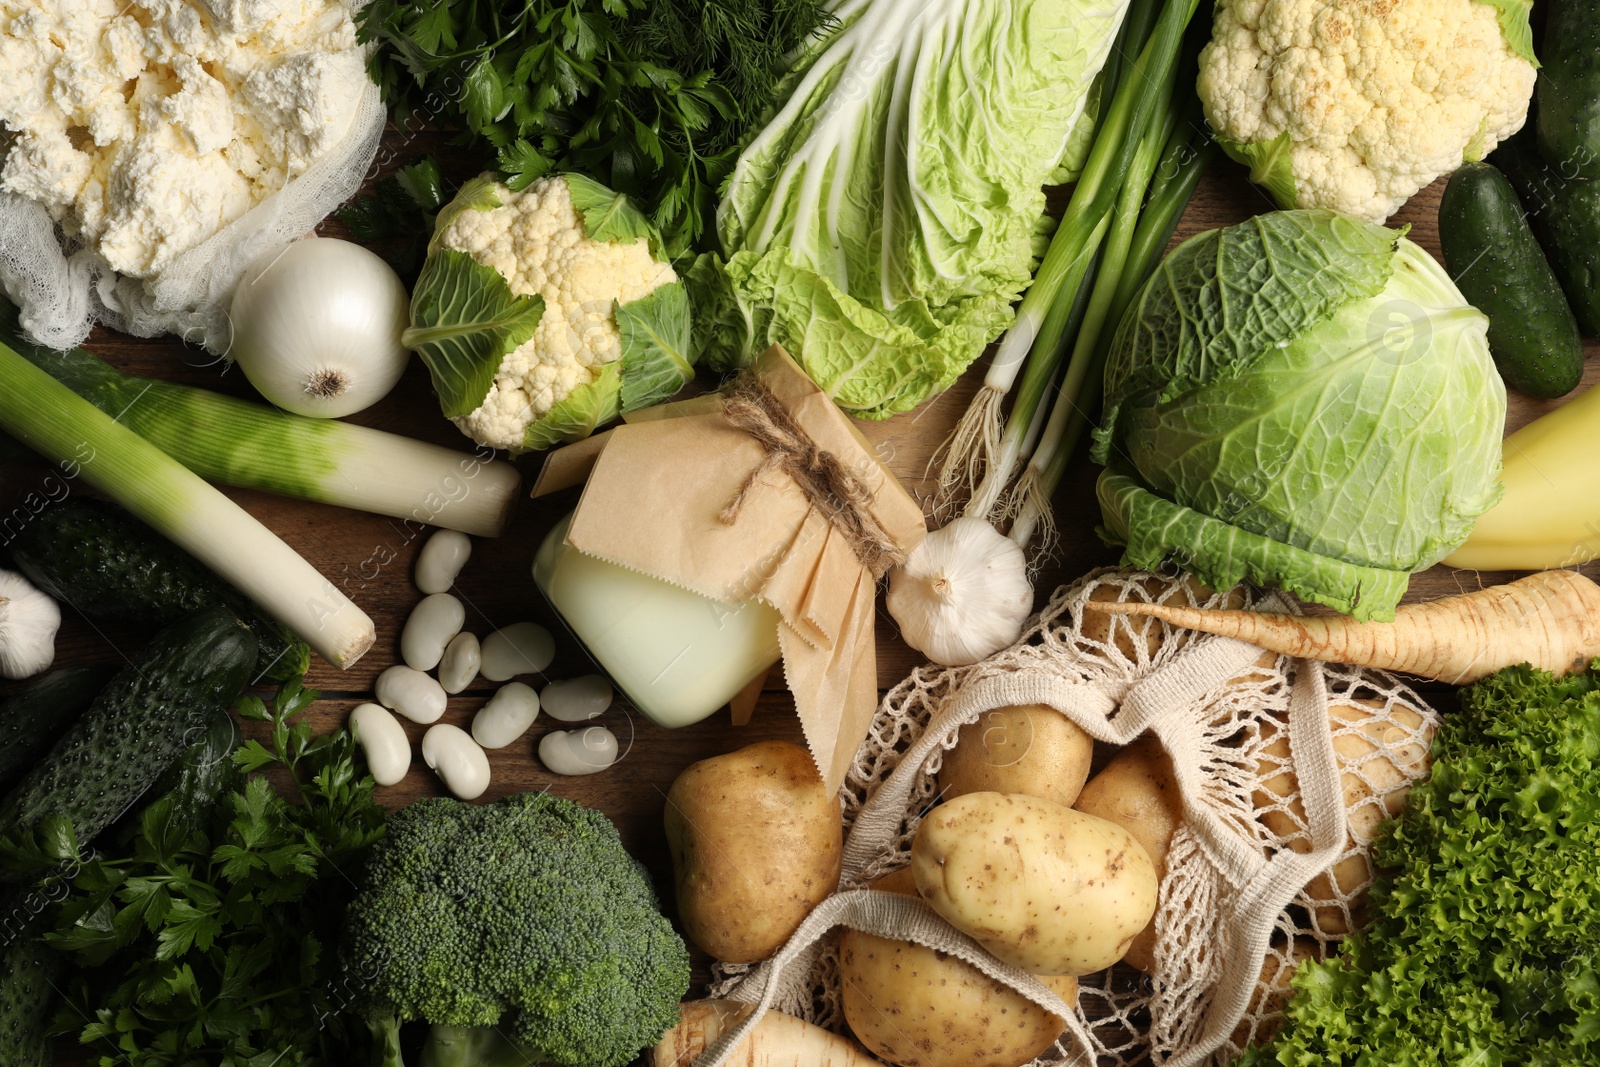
(1354,105)
(545,312)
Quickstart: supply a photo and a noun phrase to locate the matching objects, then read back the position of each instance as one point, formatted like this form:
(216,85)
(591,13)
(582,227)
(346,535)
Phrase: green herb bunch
(1484,949)
(207,941)
(653,98)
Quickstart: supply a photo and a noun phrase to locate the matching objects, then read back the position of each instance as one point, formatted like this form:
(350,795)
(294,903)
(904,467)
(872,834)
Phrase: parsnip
(1550,619)
(778,1040)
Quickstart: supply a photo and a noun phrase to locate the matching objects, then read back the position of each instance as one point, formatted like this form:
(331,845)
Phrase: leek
(253,446)
(62,426)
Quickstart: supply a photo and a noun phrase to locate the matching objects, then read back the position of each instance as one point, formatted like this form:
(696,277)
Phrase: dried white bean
(576,699)
(506,717)
(412,693)
(521,648)
(574,752)
(384,741)
(459,666)
(432,624)
(441,560)
(456,758)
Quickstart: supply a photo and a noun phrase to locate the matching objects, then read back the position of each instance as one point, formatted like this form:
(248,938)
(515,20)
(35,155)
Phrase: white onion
(316,327)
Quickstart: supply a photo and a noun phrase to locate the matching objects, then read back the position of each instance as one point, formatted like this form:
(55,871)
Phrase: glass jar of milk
(676,655)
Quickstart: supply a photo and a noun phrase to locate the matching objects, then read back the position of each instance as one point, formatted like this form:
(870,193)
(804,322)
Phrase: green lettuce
(883,223)
(1483,946)
(1303,400)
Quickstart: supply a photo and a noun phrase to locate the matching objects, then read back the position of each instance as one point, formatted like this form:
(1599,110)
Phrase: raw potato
(1028,748)
(1272,993)
(1378,761)
(917,1007)
(1043,887)
(778,1040)
(756,843)
(1138,792)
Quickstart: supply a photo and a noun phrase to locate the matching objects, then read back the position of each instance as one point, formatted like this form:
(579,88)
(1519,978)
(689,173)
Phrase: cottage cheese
(146,127)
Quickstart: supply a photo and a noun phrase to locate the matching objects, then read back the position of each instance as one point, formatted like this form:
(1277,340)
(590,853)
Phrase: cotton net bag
(62,291)
(1286,768)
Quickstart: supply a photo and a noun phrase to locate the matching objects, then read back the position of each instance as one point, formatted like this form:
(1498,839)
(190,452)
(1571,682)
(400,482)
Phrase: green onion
(60,425)
(253,446)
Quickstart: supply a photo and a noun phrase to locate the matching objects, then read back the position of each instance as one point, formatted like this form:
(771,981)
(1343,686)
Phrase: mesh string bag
(1285,768)
(62,290)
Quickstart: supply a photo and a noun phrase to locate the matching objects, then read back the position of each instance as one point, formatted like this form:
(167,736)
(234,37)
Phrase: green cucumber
(204,771)
(28,973)
(1566,217)
(1501,270)
(32,719)
(107,564)
(143,721)
(1568,91)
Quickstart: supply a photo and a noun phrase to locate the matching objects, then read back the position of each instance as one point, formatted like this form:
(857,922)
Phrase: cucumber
(1501,270)
(29,971)
(200,776)
(1566,217)
(140,723)
(107,564)
(1568,92)
(32,719)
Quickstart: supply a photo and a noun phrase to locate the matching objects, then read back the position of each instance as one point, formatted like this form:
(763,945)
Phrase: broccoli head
(523,920)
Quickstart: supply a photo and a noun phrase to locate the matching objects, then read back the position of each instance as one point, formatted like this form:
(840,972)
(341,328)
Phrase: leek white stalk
(62,426)
(252,446)
(316,327)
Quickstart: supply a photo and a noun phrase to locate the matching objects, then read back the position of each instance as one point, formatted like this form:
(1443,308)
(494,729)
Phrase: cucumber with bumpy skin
(1499,267)
(1569,88)
(201,775)
(142,722)
(32,719)
(1565,214)
(28,972)
(96,557)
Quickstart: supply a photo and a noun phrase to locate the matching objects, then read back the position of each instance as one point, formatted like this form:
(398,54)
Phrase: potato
(756,843)
(1272,993)
(1043,887)
(1138,792)
(1375,756)
(778,1039)
(917,1007)
(1028,748)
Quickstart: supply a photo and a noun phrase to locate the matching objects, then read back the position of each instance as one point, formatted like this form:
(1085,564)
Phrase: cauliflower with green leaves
(1355,105)
(546,312)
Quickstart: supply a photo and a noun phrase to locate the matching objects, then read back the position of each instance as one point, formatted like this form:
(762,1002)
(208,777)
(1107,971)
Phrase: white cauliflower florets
(1378,97)
(536,241)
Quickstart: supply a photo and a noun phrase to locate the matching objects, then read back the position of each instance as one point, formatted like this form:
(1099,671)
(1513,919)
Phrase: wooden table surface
(370,557)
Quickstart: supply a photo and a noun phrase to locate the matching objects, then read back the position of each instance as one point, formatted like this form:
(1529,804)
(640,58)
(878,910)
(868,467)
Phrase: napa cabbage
(1304,400)
(881,226)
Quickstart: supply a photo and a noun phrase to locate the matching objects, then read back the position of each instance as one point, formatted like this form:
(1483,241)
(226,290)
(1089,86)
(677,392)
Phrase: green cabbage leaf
(1303,400)
(883,223)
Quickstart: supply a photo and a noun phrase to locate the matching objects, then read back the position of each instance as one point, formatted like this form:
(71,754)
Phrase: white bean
(576,699)
(432,624)
(459,666)
(506,717)
(456,758)
(521,648)
(412,693)
(441,560)
(384,741)
(574,752)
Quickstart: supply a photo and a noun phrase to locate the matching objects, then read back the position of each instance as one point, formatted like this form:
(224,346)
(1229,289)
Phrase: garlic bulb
(28,623)
(316,327)
(963,594)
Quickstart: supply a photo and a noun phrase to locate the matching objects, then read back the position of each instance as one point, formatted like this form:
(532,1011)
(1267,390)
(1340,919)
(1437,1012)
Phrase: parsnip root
(1550,619)
(778,1040)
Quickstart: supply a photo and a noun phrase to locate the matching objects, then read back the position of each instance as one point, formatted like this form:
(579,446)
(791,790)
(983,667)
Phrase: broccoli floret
(526,916)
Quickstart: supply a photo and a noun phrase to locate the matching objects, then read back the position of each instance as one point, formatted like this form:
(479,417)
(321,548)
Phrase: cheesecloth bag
(63,291)
(1286,768)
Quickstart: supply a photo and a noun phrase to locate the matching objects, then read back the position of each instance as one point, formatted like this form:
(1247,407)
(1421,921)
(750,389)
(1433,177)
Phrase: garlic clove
(963,594)
(29,620)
